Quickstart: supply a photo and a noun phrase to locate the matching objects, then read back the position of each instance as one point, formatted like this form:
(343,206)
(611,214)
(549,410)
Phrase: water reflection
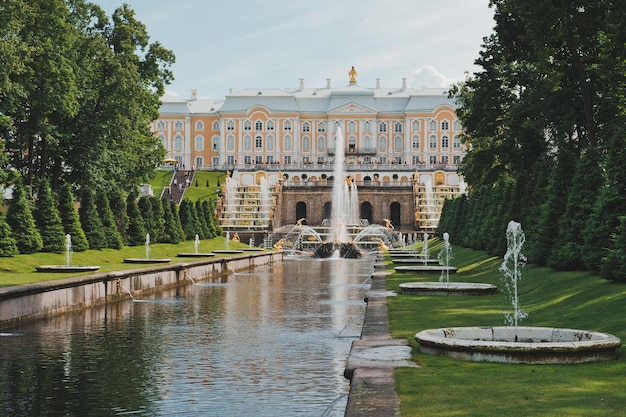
(269,343)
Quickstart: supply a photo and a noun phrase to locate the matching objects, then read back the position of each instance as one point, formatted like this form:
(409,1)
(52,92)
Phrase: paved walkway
(373,357)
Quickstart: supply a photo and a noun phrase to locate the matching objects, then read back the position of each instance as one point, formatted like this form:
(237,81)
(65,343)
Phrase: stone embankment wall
(24,303)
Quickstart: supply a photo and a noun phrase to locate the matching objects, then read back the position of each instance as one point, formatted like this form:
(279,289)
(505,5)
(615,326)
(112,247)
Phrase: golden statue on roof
(352,73)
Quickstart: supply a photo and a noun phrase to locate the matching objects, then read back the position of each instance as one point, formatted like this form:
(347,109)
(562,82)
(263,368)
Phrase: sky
(236,44)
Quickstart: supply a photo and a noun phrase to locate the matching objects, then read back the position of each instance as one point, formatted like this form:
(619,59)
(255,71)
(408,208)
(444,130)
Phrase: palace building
(394,139)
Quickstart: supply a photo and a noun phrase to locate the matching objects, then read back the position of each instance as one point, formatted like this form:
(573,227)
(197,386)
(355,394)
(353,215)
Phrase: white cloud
(430,77)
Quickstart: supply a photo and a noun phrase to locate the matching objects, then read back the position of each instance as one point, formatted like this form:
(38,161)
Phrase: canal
(272,341)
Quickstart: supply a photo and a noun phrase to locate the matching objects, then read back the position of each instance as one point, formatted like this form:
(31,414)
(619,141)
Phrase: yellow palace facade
(390,134)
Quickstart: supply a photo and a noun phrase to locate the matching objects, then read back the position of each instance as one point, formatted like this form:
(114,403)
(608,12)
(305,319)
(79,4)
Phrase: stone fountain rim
(447,285)
(439,337)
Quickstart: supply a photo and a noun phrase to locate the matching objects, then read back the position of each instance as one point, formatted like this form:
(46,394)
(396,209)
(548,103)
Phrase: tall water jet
(147,245)
(68,250)
(511,268)
(345,202)
(196,244)
(444,257)
(425,252)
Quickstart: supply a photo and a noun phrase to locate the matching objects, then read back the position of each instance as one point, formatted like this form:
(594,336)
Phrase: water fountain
(227,249)
(148,259)
(422,263)
(195,253)
(344,211)
(514,343)
(444,286)
(68,267)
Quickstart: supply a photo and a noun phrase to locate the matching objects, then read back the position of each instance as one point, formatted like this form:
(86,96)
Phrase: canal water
(272,341)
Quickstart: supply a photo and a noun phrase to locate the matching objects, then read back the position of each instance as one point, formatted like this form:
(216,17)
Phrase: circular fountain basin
(532,345)
(147,260)
(67,268)
(227,251)
(194,255)
(449,288)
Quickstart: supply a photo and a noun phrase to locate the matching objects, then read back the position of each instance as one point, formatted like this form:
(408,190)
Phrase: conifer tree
(208,214)
(170,234)
(112,236)
(145,208)
(614,264)
(20,219)
(117,202)
(189,219)
(48,220)
(70,219)
(159,221)
(136,231)
(90,220)
(8,246)
(204,227)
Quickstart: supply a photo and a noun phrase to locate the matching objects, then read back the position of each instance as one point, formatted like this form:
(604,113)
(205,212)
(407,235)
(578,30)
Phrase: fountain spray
(511,267)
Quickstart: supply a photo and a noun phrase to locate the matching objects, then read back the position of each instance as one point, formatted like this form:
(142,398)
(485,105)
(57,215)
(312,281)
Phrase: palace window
(352,127)
(457,125)
(258,142)
(258,159)
(456,160)
(306,127)
(397,127)
(445,142)
(216,125)
(321,143)
(199,161)
(215,143)
(432,125)
(433,141)
(321,127)
(199,125)
(247,125)
(367,127)
(230,142)
(306,143)
(397,143)
(178,143)
(382,143)
(444,160)
(269,142)
(415,125)
(416,142)
(351,144)
(215,161)
(270,125)
(160,125)
(287,126)
(247,159)
(287,159)
(382,127)
(230,159)
(247,142)
(258,126)
(367,142)
(178,125)
(287,142)
(163,140)
(433,160)
(445,125)
(230,125)
(456,142)
(199,142)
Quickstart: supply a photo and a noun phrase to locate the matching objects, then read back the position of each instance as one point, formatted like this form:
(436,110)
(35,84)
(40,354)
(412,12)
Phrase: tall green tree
(136,231)
(48,220)
(70,218)
(20,219)
(172,232)
(90,220)
(112,236)
(8,245)
(117,202)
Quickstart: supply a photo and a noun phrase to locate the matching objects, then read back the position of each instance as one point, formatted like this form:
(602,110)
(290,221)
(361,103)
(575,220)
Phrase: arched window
(247,125)
(352,127)
(199,142)
(397,127)
(258,142)
(306,143)
(445,125)
(216,125)
(178,143)
(306,127)
(287,126)
(416,142)
(432,125)
(287,142)
(230,142)
(230,125)
(178,125)
(415,125)
(397,143)
(382,143)
(160,125)
(433,141)
(382,127)
(445,141)
(215,143)
(321,143)
(321,127)
(456,142)
(258,126)
(199,125)
(367,142)
(247,142)
(367,127)
(269,142)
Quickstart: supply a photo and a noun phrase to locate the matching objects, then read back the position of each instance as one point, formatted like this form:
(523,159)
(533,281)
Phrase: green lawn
(447,387)
(20,269)
(161,180)
(198,189)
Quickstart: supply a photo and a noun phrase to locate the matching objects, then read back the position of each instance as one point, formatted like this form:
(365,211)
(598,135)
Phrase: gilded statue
(352,73)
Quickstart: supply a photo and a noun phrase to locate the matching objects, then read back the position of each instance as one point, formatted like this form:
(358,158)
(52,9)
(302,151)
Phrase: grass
(448,387)
(20,269)
(160,181)
(202,192)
